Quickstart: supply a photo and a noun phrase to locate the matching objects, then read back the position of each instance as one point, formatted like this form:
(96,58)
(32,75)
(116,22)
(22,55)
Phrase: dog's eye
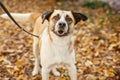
(57,17)
(68,19)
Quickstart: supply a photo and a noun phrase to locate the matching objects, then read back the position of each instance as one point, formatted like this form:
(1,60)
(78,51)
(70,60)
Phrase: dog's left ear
(46,15)
(79,16)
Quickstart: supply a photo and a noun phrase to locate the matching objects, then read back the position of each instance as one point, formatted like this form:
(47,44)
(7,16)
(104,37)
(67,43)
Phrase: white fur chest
(55,52)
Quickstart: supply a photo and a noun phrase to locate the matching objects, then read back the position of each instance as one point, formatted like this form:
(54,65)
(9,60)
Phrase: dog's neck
(60,41)
(57,40)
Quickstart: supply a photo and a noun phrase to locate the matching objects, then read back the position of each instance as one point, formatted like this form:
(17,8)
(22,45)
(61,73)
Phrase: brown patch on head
(68,19)
(56,17)
(54,20)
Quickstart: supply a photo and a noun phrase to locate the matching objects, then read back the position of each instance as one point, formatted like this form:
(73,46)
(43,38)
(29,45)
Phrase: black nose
(62,24)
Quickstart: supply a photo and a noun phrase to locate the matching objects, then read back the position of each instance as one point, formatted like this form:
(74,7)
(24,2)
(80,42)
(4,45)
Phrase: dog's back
(28,17)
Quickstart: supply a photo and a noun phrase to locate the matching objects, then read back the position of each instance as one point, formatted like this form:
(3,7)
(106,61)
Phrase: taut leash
(8,13)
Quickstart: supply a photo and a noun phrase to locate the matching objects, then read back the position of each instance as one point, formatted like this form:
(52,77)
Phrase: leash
(8,13)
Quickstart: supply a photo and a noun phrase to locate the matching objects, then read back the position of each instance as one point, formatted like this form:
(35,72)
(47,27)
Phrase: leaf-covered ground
(97,44)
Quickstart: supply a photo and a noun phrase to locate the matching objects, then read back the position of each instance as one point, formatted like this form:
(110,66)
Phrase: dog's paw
(35,71)
(55,72)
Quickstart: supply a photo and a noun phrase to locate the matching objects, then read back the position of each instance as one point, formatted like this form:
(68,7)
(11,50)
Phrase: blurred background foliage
(97,44)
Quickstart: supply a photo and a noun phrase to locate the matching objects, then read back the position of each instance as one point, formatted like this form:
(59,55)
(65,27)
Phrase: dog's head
(62,22)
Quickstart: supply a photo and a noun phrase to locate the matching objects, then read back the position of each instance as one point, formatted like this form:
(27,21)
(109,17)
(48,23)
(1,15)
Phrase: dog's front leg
(72,72)
(45,73)
(36,52)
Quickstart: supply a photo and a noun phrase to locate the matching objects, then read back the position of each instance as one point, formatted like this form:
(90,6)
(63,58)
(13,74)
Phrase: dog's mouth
(61,33)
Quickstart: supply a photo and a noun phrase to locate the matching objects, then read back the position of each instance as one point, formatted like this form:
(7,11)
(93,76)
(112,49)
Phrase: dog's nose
(62,24)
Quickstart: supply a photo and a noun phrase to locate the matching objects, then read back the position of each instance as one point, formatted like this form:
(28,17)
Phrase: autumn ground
(97,44)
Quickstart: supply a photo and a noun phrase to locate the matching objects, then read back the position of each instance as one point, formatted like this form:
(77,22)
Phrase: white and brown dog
(56,43)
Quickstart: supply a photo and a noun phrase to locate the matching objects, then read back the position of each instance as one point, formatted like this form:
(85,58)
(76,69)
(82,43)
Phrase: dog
(55,47)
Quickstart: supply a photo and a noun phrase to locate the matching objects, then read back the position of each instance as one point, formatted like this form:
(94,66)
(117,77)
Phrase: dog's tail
(22,17)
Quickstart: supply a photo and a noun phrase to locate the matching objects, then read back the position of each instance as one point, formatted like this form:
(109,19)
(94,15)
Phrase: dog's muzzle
(61,29)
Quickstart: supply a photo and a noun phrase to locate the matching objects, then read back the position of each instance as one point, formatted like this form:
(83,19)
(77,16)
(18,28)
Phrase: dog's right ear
(46,15)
